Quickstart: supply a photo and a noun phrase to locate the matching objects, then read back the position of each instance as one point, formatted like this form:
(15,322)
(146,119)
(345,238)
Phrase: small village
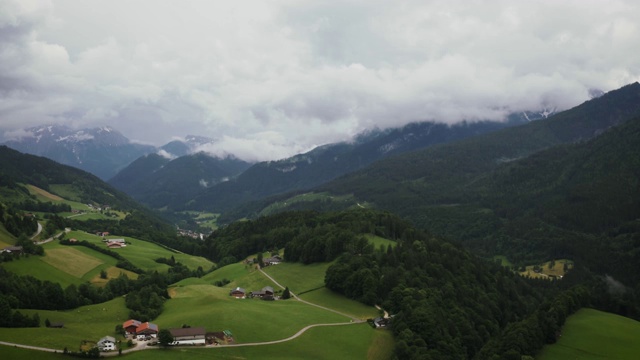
(136,332)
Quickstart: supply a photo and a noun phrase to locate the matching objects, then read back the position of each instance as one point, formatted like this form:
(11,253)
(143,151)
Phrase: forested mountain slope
(501,193)
(330,161)
(159,182)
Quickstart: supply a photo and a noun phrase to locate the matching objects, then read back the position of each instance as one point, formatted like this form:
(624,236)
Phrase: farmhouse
(147,329)
(265,293)
(13,249)
(56,325)
(381,322)
(238,293)
(188,336)
(130,326)
(274,260)
(107,343)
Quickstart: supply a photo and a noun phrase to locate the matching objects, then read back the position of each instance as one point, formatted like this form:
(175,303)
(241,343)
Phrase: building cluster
(139,330)
(266,293)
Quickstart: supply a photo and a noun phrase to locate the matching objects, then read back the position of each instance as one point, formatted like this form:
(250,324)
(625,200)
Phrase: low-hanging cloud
(271,78)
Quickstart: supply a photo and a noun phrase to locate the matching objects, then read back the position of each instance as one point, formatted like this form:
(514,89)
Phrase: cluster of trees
(48,207)
(448,304)
(307,236)
(528,336)
(14,318)
(17,222)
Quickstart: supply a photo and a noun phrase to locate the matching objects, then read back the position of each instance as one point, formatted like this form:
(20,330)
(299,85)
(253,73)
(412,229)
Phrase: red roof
(131,322)
(147,326)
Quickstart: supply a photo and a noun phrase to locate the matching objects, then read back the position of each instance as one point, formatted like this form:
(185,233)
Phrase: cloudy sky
(272,78)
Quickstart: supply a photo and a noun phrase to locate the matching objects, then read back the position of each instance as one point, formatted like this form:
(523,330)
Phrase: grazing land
(378,241)
(347,200)
(71,261)
(549,269)
(299,277)
(250,320)
(6,239)
(143,253)
(84,323)
(307,281)
(593,334)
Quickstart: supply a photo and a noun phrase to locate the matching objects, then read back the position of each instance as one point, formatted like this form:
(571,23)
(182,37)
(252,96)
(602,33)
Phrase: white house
(107,343)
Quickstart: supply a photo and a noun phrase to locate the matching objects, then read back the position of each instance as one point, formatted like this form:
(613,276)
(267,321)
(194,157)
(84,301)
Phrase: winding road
(143,345)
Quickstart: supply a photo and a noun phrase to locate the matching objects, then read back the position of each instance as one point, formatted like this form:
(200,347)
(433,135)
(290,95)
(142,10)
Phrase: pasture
(358,341)
(71,261)
(299,277)
(213,308)
(84,323)
(6,239)
(593,334)
(549,269)
(378,242)
(143,253)
(45,196)
(348,200)
(307,281)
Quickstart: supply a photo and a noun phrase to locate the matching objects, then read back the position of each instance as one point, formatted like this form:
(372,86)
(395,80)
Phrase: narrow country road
(308,303)
(143,345)
(30,347)
(53,237)
(37,232)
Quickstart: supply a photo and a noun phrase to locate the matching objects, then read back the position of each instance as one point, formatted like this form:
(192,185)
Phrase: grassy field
(213,308)
(112,273)
(208,220)
(308,282)
(324,343)
(143,253)
(70,260)
(308,197)
(45,196)
(549,269)
(65,191)
(74,265)
(503,261)
(330,299)
(10,352)
(299,277)
(378,241)
(6,239)
(85,323)
(593,334)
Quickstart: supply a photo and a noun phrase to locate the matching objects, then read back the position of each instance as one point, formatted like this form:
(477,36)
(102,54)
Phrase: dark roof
(193,331)
(13,248)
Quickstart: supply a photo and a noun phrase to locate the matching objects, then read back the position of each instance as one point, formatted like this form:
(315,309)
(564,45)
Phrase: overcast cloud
(272,78)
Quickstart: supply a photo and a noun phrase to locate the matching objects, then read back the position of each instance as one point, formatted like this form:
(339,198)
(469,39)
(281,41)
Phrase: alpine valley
(477,240)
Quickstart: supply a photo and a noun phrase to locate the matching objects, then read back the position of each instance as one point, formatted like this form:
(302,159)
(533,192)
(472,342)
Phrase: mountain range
(562,187)
(144,180)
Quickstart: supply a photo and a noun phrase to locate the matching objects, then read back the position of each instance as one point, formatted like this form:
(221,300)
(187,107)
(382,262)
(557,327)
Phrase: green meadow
(593,334)
(90,323)
(68,265)
(357,341)
(378,241)
(143,253)
(307,281)
(299,277)
(213,308)
(6,239)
